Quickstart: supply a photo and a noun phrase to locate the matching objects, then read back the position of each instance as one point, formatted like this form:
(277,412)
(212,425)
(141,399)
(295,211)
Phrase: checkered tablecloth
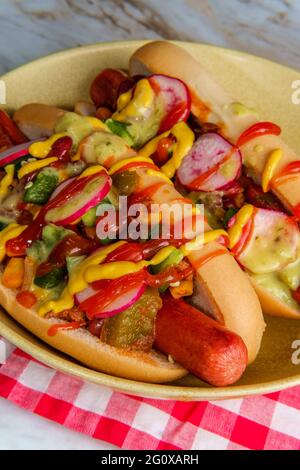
(262,422)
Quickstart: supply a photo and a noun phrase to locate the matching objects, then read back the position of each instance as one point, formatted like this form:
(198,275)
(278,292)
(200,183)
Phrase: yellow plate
(62,79)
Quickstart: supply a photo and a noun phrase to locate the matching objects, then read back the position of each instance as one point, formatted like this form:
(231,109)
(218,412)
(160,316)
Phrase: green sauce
(272,284)
(77,127)
(101,145)
(291,275)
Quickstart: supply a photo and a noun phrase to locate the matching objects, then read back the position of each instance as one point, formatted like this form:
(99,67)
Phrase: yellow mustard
(11,231)
(117,166)
(91,270)
(129,106)
(112,270)
(151,146)
(6,181)
(91,170)
(36,165)
(270,167)
(117,269)
(41,149)
(96,123)
(201,240)
(159,174)
(184,141)
(124,99)
(242,217)
(65,301)
(77,281)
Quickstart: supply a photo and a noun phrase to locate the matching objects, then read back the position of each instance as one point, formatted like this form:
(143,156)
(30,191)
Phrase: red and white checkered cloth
(262,422)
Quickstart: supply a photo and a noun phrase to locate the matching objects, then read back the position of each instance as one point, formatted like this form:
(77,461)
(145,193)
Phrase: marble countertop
(33,28)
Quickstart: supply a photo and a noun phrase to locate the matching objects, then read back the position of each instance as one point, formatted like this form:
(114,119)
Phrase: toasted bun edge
(150,367)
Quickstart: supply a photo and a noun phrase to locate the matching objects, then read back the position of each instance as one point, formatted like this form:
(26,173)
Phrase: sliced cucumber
(51,279)
(42,188)
(90,217)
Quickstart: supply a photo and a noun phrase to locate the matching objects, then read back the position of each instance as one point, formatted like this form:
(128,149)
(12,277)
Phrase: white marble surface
(33,28)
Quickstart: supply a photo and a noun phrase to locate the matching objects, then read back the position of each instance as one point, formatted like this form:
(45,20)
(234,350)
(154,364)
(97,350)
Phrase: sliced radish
(212,164)
(85,294)
(62,186)
(176,98)
(122,302)
(273,242)
(14,153)
(87,299)
(78,202)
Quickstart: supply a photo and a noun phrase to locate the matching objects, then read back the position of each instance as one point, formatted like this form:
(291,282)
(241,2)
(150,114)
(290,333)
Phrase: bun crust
(150,367)
(37,120)
(209,100)
(233,301)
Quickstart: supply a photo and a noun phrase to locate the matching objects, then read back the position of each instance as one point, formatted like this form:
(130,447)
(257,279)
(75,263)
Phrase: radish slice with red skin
(77,205)
(117,305)
(176,98)
(14,153)
(121,303)
(212,164)
(273,244)
(61,186)
(85,294)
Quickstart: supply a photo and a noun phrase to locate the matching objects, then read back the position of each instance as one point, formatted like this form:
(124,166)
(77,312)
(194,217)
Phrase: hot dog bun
(37,120)
(90,351)
(167,58)
(208,97)
(233,303)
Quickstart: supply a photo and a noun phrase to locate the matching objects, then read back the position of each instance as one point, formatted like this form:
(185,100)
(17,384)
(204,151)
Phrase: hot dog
(225,302)
(273,167)
(115,285)
(202,345)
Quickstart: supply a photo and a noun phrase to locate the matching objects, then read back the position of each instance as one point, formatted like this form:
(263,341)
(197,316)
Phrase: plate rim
(158,391)
(144,389)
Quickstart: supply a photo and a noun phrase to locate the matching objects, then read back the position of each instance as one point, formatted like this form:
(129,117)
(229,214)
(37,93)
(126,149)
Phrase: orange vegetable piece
(13,273)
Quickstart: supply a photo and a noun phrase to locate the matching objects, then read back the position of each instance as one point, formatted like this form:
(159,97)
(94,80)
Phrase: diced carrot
(184,289)
(13,273)
(26,299)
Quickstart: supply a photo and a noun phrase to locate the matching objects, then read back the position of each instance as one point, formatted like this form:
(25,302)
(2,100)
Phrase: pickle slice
(134,327)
